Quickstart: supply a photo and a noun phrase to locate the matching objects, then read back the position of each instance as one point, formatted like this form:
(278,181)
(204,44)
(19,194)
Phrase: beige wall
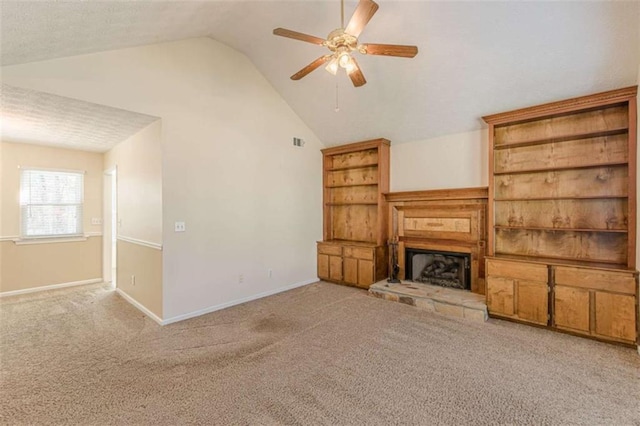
(250,199)
(139,201)
(34,265)
(145,264)
(452,161)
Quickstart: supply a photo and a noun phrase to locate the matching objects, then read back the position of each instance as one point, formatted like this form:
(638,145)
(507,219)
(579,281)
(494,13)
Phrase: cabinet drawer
(517,270)
(359,253)
(618,282)
(330,249)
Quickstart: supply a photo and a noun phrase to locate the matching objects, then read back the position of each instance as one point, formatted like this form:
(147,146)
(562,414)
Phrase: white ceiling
(29,116)
(475,58)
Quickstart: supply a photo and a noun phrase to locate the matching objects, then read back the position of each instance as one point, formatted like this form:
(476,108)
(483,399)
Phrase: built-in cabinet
(354,246)
(562,216)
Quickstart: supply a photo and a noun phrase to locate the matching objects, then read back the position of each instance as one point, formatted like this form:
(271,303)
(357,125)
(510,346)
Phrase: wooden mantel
(452,220)
(439,194)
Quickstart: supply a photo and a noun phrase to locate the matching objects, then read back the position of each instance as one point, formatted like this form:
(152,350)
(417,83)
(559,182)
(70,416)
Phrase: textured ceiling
(476,58)
(45,119)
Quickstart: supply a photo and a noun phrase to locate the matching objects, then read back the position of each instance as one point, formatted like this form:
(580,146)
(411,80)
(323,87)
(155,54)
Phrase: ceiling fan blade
(312,66)
(356,76)
(363,14)
(390,50)
(283,32)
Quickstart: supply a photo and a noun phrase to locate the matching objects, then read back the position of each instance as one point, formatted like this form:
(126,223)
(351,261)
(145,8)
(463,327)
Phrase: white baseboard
(140,306)
(236,302)
(50,287)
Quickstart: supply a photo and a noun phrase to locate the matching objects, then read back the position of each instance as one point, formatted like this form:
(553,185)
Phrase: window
(51,203)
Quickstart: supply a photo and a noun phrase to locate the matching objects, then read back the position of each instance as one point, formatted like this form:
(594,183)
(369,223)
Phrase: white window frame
(26,204)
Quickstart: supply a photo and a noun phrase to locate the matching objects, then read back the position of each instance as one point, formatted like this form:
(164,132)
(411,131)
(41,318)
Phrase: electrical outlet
(133,280)
(181,227)
(240,279)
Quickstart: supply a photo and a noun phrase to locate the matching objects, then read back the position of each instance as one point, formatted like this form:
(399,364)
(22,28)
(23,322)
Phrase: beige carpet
(321,354)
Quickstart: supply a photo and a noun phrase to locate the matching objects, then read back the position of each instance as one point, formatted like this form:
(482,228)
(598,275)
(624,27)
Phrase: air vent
(298,142)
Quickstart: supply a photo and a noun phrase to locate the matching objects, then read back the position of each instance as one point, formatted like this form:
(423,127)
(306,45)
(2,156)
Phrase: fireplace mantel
(452,220)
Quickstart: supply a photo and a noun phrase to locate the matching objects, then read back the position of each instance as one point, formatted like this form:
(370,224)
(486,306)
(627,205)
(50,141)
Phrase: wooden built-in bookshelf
(353,250)
(562,216)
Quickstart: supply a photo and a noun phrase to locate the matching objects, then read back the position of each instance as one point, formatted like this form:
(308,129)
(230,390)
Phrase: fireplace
(442,268)
(450,221)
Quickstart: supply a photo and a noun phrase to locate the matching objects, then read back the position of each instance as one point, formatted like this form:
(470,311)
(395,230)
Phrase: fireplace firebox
(440,268)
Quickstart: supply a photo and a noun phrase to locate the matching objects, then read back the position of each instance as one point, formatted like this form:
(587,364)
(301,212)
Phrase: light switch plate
(180,227)
(96,221)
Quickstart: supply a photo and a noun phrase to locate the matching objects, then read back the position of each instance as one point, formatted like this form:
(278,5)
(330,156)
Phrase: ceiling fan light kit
(342,42)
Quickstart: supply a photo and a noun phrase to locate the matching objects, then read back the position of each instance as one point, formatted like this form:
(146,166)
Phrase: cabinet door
(500,296)
(571,308)
(532,301)
(519,299)
(615,316)
(335,268)
(365,273)
(350,270)
(323,266)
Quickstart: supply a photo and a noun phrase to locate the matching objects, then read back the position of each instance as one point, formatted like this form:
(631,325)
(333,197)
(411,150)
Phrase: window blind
(51,203)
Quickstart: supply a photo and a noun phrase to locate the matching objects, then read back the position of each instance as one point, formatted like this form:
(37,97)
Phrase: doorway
(110,227)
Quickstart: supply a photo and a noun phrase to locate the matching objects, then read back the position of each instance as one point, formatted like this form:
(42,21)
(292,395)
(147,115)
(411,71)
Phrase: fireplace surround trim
(448,220)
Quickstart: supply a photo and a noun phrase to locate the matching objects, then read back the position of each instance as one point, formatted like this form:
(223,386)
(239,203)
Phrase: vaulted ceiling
(475,58)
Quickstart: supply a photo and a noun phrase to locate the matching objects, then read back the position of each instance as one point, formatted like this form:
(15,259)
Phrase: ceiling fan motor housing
(339,39)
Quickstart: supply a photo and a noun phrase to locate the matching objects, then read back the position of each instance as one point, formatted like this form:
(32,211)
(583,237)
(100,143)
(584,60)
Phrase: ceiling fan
(343,41)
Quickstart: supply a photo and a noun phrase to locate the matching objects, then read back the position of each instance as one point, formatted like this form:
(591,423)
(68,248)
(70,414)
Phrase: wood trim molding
(438,194)
(356,146)
(559,107)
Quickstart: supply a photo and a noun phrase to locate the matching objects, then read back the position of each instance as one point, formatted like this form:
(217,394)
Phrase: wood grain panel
(335,268)
(323,266)
(590,182)
(615,316)
(500,296)
(517,270)
(355,223)
(592,151)
(437,224)
(619,282)
(350,268)
(355,159)
(364,176)
(587,246)
(563,214)
(365,273)
(572,308)
(532,301)
(601,120)
(356,194)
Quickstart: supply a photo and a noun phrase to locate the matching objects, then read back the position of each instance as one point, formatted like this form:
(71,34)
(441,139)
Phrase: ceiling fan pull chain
(337,105)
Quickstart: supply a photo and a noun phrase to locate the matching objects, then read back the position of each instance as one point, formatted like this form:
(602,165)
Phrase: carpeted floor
(320,354)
